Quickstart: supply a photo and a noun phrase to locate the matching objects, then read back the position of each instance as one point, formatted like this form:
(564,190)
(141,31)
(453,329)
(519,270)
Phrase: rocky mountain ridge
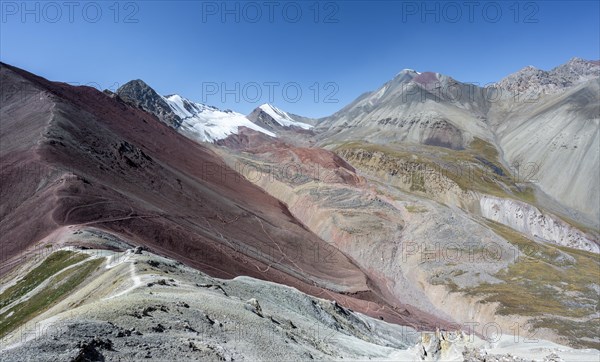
(532,79)
(409,209)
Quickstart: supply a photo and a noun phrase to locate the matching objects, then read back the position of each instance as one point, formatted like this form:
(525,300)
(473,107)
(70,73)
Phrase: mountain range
(413,217)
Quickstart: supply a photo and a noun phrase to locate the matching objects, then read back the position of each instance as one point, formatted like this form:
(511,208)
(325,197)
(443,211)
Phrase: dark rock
(183,304)
(159,328)
(146,312)
(153,263)
(140,95)
(253,306)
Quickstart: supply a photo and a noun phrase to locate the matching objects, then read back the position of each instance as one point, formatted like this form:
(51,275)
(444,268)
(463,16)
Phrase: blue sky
(310,58)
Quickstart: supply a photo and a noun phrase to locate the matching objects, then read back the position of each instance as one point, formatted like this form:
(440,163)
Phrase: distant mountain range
(434,109)
(140,225)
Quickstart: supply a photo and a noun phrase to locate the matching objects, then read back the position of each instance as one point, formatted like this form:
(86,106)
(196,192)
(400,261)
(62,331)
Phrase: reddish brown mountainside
(75,156)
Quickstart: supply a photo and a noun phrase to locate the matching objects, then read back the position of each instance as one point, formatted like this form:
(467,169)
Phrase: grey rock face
(423,108)
(193,318)
(263,116)
(545,121)
(262,119)
(139,94)
(532,79)
(555,140)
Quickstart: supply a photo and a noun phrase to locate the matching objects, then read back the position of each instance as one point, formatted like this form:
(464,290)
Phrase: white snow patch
(209,124)
(407,70)
(282,117)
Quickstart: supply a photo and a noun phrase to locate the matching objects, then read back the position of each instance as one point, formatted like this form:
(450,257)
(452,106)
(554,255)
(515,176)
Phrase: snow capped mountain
(197,121)
(287,126)
(281,117)
(408,71)
(206,123)
(424,162)
(434,109)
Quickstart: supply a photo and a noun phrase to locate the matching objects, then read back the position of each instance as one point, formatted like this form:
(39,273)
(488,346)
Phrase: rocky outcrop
(531,221)
(108,319)
(534,80)
(414,174)
(141,95)
(274,119)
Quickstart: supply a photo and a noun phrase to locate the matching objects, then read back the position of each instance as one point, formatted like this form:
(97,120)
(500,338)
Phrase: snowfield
(208,124)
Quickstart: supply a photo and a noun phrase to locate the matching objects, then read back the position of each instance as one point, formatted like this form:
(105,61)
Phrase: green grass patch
(476,168)
(547,280)
(50,266)
(485,149)
(60,285)
(579,334)
(552,284)
(415,209)
(417,182)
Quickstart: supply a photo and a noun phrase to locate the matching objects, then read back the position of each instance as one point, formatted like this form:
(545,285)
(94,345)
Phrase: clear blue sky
(187,47)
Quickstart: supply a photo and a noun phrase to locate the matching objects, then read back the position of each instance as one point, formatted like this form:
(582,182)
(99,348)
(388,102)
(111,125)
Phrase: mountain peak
(427,78)
(580,65)
(139,94)
(576,60)
(134,83)
(532,79)
(266,106)
(270,117)
(407,71)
